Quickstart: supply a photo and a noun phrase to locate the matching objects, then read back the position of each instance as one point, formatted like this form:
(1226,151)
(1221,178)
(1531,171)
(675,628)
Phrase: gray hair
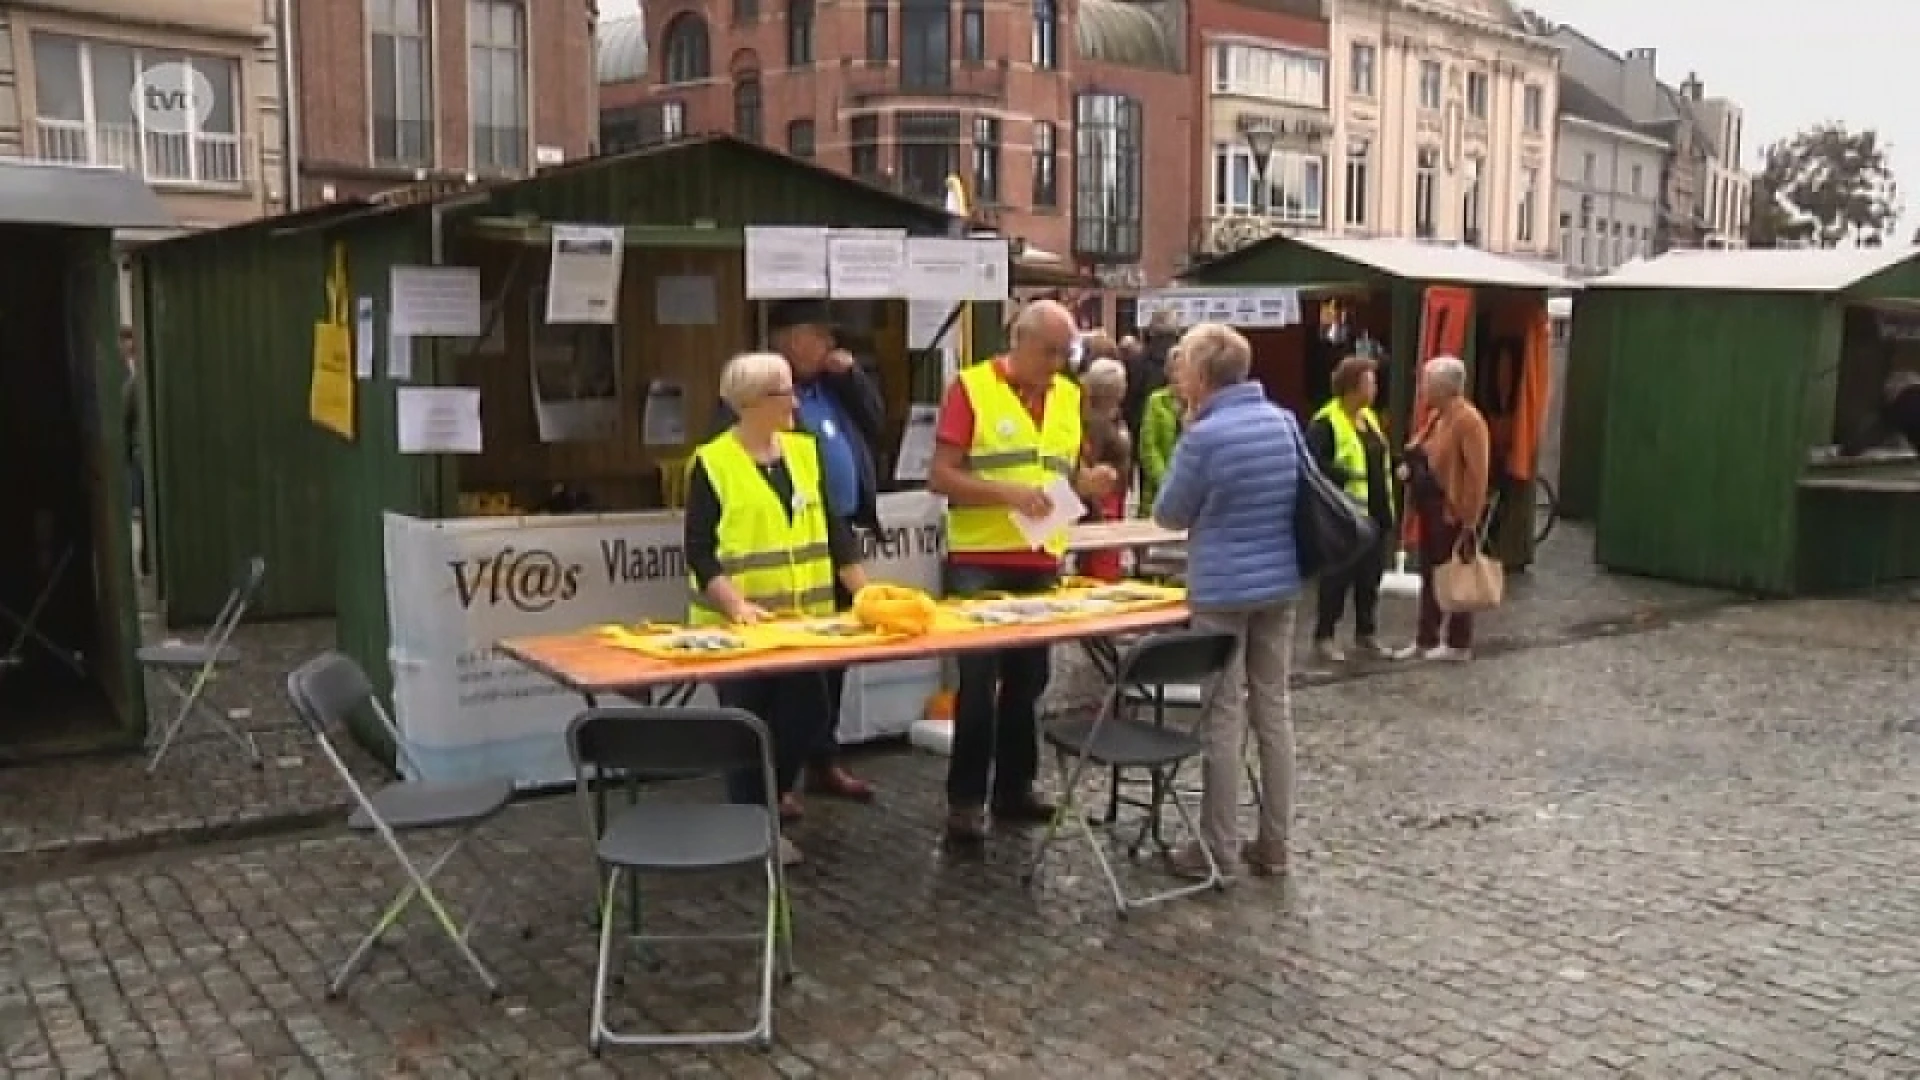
(1218,354)
(1105,379)
(750,377)
(1446,372)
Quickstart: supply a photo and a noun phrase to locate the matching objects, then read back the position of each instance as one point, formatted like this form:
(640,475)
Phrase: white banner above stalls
(1250,308)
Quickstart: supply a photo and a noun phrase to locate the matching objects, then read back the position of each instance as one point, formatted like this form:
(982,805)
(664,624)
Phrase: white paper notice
(686,300)
(1067,509)
(435,420)
(439,301)
(786,262)
(363,338)
(866,264)
(583,282)
(916,445)
(955,268)
(400,358)
(664,422)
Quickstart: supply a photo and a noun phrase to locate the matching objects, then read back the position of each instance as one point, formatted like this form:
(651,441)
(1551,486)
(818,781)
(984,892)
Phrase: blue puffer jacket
(1232,485)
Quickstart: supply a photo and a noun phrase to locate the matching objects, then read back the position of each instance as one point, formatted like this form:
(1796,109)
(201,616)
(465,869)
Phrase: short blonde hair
(1105,380)
(749,377)
(1219,354)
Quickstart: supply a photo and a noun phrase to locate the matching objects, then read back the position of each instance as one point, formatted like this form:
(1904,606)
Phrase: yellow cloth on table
(895,610)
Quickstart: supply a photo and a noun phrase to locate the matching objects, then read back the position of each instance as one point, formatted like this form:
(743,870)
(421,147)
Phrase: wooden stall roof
(1869,273)
(1370,260)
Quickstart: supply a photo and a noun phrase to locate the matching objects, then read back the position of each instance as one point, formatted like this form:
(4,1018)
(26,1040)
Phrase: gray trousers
(1254,691)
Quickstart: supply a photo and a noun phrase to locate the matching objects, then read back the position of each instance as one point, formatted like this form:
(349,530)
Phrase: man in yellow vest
(1007,429)
(1350,445)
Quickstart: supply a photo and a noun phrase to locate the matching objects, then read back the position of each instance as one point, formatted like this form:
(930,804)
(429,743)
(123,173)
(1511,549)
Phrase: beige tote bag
(1471,581)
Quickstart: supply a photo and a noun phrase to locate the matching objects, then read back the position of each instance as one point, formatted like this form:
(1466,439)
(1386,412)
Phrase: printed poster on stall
(454,588)
(583,275)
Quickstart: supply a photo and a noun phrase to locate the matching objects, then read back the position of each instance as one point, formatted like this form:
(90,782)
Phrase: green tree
(1825,186)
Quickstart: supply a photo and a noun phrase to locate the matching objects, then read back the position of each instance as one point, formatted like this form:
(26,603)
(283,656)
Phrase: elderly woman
(760,542)
(1232,485)
(1159,431)
(1446,473)
(1350,445)
(1105,440)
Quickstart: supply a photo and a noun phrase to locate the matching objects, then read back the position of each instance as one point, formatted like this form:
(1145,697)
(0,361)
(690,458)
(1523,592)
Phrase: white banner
(1248,308)
(454,588)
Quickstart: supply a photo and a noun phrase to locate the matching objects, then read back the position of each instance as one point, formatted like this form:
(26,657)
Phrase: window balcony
(167,159)
(870,86)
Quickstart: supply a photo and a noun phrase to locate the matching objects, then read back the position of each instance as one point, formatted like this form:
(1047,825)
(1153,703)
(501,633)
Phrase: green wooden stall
(1387,279)
(1714,389)
(66,535)
(684,204)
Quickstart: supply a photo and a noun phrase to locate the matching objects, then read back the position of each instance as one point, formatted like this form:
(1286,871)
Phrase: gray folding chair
(1118,738)
(26,627)
(661,837)
(189,669)
(326,691)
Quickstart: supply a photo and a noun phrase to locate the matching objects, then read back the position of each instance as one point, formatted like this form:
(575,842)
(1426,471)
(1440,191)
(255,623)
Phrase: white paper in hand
(1067,509)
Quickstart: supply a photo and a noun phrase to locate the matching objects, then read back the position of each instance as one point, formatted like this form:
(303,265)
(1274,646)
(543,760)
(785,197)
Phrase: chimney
(1691,89)
(1639,90)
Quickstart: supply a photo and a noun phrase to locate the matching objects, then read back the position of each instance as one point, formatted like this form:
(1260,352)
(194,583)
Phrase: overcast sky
(1789,63)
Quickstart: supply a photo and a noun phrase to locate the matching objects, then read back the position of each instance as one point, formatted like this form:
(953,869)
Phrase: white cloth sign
(454,588)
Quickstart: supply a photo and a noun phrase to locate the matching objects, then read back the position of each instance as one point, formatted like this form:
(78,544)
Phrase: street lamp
(1260,136)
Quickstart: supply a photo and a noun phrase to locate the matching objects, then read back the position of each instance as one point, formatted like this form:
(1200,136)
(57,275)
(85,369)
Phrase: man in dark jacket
(1899,414)
(838,404)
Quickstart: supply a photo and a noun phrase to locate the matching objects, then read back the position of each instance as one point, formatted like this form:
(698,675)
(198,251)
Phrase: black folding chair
(199,662)
(325,691)
(662,837)
(1118,737)
(26,626)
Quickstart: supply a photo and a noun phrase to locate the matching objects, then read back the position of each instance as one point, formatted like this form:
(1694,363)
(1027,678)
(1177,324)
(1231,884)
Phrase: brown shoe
(1188,861)
(967,825)
(1263,863)
(838,783)
(1028,809)
(791,809)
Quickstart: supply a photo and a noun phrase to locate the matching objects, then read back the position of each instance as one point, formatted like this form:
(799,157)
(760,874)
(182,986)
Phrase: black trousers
(996,739)
(794,709)
(826,749)
(1362,579)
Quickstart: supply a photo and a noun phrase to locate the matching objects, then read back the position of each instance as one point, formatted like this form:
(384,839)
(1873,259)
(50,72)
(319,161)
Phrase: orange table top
(1108,535)
(586,662)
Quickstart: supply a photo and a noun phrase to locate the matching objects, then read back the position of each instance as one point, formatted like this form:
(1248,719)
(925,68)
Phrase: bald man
(1007,429)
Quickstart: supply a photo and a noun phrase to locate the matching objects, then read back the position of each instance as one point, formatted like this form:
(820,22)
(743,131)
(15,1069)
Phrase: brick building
(1049,109)
(392,91)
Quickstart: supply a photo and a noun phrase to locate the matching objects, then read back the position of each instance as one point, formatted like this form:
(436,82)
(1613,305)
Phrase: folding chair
(325,691)
(173,661)
(1117,738)
(680,837)
(27,627)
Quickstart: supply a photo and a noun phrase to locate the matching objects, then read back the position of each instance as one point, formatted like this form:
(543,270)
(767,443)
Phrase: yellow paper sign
(332,400)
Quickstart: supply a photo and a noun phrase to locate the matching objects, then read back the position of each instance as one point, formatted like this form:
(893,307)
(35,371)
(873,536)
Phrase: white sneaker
(789,854)
(1447,654)
(1328,652)
(1405,652)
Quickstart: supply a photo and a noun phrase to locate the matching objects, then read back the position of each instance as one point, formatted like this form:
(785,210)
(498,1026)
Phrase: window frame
(926,45)
(877,30)
(986,146)
(1431,102)
(522,52)
(145,147)
(1357,190)
(1426,192)
(422,38)
(1109,218)
(1361,76)
(1046,165)
(749,107)
(678,30)
(806,149)
(800,33)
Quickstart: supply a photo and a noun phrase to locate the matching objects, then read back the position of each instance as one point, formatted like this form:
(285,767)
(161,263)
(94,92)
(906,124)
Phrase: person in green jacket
(1160,427)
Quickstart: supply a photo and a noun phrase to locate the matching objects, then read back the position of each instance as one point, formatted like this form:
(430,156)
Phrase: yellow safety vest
(1008,449)
(778,561)
(1350,451)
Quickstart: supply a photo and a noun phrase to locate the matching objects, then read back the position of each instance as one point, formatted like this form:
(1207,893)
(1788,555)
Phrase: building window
(1430,84)
(926,47)
(85,113)
(1566,238)
(1358,181)
(1046,35)
(1296,185)
(1360,69)
(1478,93)
(688,53)
(1426,193)
(745,11)
(800,139)
(497,78)
(986,160)
(748,116)
(642,125)
(1107,196)
(1272,74)
(1586,255)
(1589,168)
(928,145)
(879,42)
(1533,109)
(973,33)
(1046,165)
(863,138)
(1529,207)
(1471,203)
(400,82)
(1639,177)
(799,33)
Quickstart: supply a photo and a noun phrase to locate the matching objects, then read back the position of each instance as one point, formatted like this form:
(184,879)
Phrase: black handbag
(1331,530)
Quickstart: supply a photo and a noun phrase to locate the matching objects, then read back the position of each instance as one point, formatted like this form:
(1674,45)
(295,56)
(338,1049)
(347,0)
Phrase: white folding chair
(1118,738)
(188,669)
(325,692)
(26,627)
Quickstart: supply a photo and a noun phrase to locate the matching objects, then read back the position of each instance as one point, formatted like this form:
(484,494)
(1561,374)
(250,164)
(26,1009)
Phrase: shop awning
(77,196)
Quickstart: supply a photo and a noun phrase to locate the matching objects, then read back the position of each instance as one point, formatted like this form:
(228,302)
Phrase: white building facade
(1444,124)
(1607,185)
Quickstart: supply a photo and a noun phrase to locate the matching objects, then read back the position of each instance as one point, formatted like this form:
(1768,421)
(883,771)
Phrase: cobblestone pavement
(1679,853)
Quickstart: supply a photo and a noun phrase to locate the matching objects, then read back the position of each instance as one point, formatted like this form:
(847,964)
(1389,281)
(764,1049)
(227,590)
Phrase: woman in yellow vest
(1349,443)
(760,543)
